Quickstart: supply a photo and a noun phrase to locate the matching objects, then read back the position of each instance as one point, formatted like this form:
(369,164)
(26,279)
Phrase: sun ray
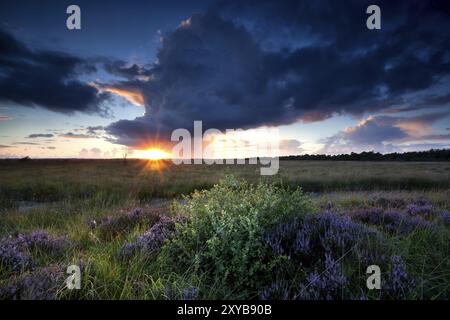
(155,154)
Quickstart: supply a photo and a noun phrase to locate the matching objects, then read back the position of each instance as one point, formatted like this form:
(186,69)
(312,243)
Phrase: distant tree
(430,155)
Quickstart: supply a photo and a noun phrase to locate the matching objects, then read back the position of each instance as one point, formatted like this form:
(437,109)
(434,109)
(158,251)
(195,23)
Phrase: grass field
(48,180)
(137,234)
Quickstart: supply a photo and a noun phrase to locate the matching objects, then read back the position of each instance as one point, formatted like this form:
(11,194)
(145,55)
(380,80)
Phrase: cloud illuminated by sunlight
(134,97)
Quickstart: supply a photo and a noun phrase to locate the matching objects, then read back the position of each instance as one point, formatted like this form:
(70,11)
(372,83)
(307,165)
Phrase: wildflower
(382,202)
(190,293)
(444,216)
(109,227)
(276,290)
(40,284)
(44,241)
(327,285)
(281,232)
(315,242)
(399,282)
(13,257)
(338,233)
(152,240)
(15,252)
(421,208)
(392,221)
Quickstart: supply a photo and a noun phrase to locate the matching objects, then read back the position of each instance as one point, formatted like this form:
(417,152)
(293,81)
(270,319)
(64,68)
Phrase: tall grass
(114,181)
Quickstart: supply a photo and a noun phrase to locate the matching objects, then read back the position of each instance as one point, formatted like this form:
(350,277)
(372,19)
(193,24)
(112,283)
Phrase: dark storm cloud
(139,132)
(46,79)
(435,100)
(123,69)
(245,64)
(40,135)
(94,129)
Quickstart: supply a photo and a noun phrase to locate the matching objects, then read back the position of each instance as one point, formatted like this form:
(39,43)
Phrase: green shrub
(223,237)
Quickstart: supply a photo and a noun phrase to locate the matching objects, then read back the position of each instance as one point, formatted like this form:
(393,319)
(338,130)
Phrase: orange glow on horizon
(154,154)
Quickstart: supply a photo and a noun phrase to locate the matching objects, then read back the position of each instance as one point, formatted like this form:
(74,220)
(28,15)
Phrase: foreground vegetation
(136,237)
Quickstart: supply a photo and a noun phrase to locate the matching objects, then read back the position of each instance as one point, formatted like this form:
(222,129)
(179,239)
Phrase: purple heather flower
(326,285)
(276,290)
(302,242)
(13,257)
(444,216)
(190,293)
(277,234)
(309,239)
(152,240)
(420,207)
(399,282)
(392,221)
(386,203)
(42,240)
(314,243)
(135,214)
(40,284)
(113,226)
(15,252)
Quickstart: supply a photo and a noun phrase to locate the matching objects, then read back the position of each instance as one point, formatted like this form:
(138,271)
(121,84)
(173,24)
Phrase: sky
(138,70)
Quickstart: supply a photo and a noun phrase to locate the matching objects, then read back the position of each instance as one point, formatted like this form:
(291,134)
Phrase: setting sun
(155,154)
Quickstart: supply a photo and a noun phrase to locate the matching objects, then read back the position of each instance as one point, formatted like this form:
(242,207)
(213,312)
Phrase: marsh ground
(62,198)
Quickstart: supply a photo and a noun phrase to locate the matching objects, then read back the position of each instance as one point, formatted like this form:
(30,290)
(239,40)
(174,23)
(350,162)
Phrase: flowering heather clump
(338,234)
(44,241)
(152,240)
(399,282)
(444,216)
(15,252)
(283,235)
(382,202)
(421,208)
(318,244)
(190,293)
(13,257)
(277,290)
(110,227)
(324,285)
(40,284)
(315,243)
(309,239)
(327,285)
(392,221)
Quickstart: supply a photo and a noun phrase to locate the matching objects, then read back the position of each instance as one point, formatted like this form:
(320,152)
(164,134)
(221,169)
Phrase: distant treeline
(430,155)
